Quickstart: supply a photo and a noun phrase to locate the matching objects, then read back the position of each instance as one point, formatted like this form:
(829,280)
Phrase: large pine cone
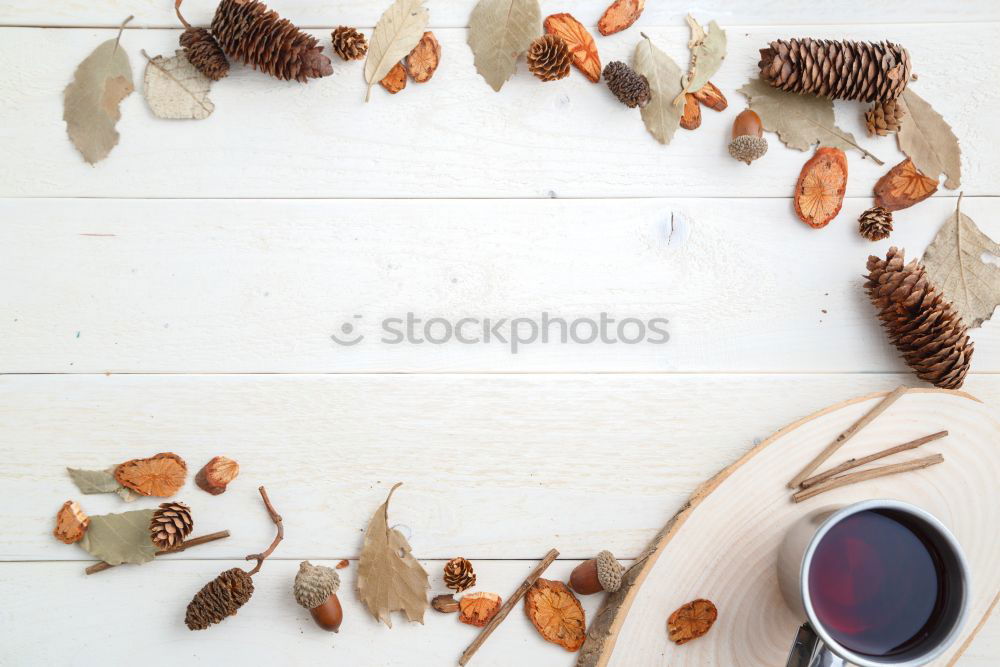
(549,58)
(924,327)
(458,574)
(875,224)
(349,44)
(250,32)
(171,523)
(844,70)
(218,599)
(630,87)
(204,53)
(884,117)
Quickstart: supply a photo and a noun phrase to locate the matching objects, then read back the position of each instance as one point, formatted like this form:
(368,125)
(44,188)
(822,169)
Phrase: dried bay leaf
(120,538)
(800,121)
(127,494)
(174,88)
(389,577)
(954,263)
(499,32)
(661,116)
(396,33)
(91,101)
(708,49)
(94,481)
(928,140)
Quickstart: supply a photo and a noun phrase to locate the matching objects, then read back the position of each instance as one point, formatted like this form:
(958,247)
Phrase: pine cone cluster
(458,574)
(549,58)
(884,117)
(349,44)
(630,87)
(204,53)
(845,70)
(218,599)
(924,327)
(250,32)
(875,224)
(171,523)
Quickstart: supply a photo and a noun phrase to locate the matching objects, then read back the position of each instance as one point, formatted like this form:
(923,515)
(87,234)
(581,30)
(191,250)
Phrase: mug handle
(808,650)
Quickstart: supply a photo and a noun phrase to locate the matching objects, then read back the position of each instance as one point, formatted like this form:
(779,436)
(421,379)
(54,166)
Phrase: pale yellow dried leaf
(661,116)
(396,33)
(499,32)
(929,141)
(174,88)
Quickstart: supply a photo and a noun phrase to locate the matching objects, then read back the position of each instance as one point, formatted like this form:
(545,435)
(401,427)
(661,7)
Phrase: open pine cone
(349,44)
(171,523)
(549,58)
(875,224)
(458,574)
(884,117)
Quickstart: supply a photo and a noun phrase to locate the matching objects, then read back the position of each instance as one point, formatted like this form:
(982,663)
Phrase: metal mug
(814,646)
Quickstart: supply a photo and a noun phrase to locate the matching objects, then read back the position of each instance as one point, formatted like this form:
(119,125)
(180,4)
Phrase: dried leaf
(174,88)
(801,121)
(660,116)
(94,481)
(580,42)
(619,15)
(903,187)
(424,58)
(707,52)
(127,494)
(928,140)
(396,33)
(389,577)
(91,102)
(120,538)
(499,32)
(954,263)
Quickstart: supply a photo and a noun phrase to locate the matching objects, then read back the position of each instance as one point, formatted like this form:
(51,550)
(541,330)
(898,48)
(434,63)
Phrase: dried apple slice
(819,193)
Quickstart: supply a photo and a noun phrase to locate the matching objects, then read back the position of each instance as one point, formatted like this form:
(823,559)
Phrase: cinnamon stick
(851,431)
(193,542)
(854,463)
(507,606)
(863,475)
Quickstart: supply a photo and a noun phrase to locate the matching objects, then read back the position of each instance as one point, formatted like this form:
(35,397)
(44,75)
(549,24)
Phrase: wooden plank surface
(454,137)
(261,286)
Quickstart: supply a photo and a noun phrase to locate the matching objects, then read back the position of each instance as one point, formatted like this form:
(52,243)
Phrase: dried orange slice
(819,194)
(556,614)
(581,44)
(620,15)
(161,475)
(903,186)
(691,621)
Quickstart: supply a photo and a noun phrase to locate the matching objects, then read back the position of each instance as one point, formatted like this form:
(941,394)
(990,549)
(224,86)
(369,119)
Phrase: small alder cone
(349,44)
(218,599)
(748,143)
(315,588)
(549,58)
(255,35)
(845,70)
(927,331)
(601,573)
(884,117)
(630,87)
(875,224)
(459,575)
(71,523)
(216,475)
(204,53)
(171,523)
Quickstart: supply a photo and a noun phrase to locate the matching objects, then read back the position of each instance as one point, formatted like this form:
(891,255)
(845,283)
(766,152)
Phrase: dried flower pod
(423,60)
(711,97)
(630,87)
(171,523)
(161,475)
(216,475)
(348,43)
(903,186)
(71,523)
(691,621)
(619,15)
(342,564)
(549,58)
(218,599)
(601,573)
(446,604)
(459,575)
(581,45)
(748,142)
(315,588)
(478,608)
(556,614)
(395,80)
(819,193)
(201,49)
(691,117)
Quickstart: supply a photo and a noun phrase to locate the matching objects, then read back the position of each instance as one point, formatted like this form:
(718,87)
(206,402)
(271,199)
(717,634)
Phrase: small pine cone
(630,87)
(549,58)
(926,330)
(458,574)
(349,44)
(884,117)
(171,523)
(875,224)
(219,599)
(204,53)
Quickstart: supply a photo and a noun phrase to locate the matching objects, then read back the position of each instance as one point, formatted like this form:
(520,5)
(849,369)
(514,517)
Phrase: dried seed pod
(601,573)
(630,87)
(819,193)
(691,117)
(711,97)
(395,80)
(201,49)
(691,621)
(161,475)
(446,604)
(748,143)
(478,608)
(315,588)
(423,60)
(71,523)
(619,15)
(556,614)
(903,186)
(216,475)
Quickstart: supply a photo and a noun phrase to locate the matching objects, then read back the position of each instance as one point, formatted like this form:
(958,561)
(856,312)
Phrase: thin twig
(507,606)
(855,463)
(276,518)
(863,475)
(851,431)
(121,28)
(177,9)
(193,542)
(845,137)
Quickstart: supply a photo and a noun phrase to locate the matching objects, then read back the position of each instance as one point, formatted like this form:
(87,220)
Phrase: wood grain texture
(455,13)
(260,286)
(754,625)
(571,138)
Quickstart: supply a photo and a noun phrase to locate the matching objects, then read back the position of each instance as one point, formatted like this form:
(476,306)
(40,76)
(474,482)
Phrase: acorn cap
(314,584)
(747,148)
(609,571)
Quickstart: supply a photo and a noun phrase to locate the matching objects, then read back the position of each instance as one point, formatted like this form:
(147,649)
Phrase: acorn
(748,142)
(601,573)
(316,589)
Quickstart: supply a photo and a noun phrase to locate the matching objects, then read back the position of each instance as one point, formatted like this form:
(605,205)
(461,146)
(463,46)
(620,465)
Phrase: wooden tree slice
(723,543)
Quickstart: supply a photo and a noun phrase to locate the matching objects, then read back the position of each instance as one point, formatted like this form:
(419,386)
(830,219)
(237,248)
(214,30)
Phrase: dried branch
(276,518)
(193,542)
(855,463)
(863,475)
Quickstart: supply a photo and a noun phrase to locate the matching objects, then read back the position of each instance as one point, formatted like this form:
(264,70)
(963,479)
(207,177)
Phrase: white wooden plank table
(182,294)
